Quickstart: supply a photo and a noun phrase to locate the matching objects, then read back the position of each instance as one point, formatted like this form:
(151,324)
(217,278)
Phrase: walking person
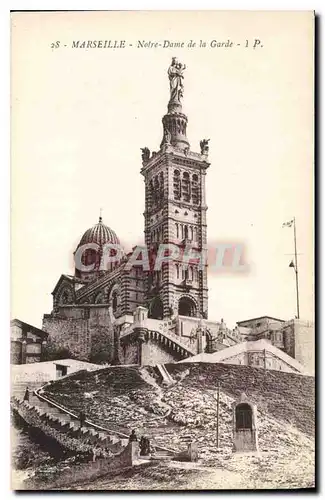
(82,418)
(133,436)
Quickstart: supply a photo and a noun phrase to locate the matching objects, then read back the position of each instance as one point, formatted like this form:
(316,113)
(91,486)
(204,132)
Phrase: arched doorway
(186,307)
(244,419)
(156,309)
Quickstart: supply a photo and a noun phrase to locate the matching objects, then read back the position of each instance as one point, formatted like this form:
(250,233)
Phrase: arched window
(156,309)
(65,297)
(177,271)
(186,307)
(177,185)
(186,187)
(151,193)
(243,417)
(195,189)
(156,194)
(161,186)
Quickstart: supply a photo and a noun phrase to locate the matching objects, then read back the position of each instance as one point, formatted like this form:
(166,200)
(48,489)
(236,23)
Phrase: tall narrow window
(177,185)
(156,192)
(151,194)
(195,189)
(161,186)
(177,234)
(186,187)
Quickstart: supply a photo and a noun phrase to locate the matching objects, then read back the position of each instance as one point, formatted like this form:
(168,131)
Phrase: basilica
(135,314)
(131,311)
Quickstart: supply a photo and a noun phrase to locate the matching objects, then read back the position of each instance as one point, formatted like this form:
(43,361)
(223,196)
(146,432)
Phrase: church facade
(126,314)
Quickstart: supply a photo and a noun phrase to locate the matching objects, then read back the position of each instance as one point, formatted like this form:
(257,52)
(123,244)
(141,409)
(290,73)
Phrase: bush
(53,351)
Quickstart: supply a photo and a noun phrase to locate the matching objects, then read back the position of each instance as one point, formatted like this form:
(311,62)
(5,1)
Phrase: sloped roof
(33,329)
(257,345)
(259,317)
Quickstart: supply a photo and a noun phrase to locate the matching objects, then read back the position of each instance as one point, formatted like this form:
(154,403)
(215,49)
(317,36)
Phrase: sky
(80,117)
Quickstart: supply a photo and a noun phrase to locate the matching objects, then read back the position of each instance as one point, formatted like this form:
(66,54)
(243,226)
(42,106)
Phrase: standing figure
(95,453)
(144,446)
(133,436)
(82,418)
(175,75)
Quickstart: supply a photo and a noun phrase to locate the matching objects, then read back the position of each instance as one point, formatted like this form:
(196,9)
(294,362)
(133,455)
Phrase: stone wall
(89,471)
(78,328)
(130,353)
(70,333)
(15,352)
(153,354)
(304,333)
(57,429)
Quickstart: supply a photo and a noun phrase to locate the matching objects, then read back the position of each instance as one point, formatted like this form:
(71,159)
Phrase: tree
(102,345)
(54,350)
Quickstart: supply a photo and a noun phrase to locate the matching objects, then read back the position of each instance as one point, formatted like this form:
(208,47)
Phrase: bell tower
(175,213)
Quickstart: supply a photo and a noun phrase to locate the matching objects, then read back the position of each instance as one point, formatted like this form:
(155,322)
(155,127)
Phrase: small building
(263,327)
(295,337)
(244,426)
(27,343)
(299,342)
(37,374)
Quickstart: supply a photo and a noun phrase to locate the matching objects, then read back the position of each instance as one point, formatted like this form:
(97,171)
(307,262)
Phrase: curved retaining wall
(68,434)
(77,474)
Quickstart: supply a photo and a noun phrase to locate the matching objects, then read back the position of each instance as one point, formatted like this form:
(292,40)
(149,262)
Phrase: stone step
(156,456)
(113,439)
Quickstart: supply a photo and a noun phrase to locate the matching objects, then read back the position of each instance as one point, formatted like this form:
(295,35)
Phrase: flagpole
(296,265)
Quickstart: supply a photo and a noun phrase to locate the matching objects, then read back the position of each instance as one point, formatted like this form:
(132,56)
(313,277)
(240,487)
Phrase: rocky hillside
(123,398)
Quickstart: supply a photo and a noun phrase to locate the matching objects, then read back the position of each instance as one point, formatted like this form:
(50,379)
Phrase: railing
(175,340)
(50,402)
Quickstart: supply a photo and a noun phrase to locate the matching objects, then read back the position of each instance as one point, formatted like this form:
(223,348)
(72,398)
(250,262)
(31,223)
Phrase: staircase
(173,343)
(166,378)
(64,421)
(67,423)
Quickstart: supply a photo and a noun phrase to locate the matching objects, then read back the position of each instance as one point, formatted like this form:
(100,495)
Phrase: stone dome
(99,234)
